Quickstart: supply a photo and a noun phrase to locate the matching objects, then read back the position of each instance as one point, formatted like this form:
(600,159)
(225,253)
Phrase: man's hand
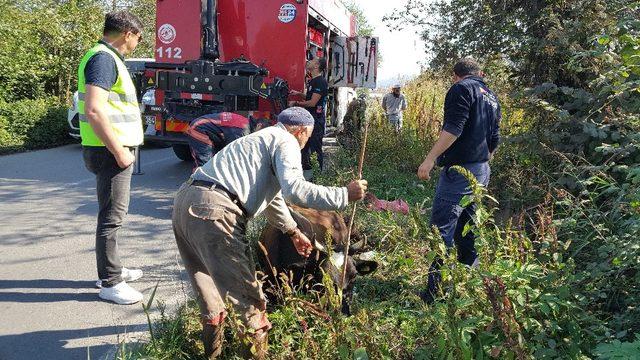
(356,189)
(292,103)
(424,171)
(95,109)
(445,140)
(295,93)
(125,158)
(301,243)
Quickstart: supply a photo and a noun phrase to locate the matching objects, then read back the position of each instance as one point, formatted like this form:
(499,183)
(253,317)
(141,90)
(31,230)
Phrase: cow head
(327,258)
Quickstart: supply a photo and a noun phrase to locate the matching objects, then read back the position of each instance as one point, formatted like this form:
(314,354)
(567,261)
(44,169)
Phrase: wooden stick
(353,211)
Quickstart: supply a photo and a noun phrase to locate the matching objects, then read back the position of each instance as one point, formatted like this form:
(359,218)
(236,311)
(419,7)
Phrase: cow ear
(365,267)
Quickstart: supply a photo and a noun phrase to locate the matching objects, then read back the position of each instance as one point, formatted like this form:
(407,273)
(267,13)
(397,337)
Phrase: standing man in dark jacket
(315,103)
(469,137)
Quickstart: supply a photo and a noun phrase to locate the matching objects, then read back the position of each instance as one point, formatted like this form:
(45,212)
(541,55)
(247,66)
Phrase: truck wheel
(183,152)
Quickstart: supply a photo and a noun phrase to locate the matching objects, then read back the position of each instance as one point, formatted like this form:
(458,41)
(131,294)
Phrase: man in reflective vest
(111,127)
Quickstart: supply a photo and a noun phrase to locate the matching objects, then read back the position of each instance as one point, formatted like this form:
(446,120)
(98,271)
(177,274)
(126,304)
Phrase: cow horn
(319,246)
(305,225)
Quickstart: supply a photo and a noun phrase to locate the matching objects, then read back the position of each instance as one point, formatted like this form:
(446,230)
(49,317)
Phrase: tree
(364,27)
(537,38)
(44,41)
(146,11)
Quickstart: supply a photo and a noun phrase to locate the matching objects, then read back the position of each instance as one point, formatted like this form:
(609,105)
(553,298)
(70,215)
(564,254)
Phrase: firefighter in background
(208,134)
(315,102)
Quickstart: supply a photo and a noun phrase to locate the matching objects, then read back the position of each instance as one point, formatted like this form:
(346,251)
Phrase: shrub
(32,124)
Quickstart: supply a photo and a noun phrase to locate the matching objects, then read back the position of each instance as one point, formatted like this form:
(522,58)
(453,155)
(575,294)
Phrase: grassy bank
(541,290)
(389,320)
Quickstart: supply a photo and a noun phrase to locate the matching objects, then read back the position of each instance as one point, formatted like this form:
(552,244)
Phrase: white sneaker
(127,275)
(122,294)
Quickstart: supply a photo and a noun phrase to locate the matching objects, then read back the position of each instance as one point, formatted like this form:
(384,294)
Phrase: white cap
(396,86)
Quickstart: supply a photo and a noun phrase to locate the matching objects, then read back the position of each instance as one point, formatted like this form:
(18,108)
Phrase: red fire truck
(239,56)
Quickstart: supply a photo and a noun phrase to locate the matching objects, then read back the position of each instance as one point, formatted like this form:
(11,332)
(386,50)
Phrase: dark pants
(200,152)
(450,218)
(113,187)
(314,145)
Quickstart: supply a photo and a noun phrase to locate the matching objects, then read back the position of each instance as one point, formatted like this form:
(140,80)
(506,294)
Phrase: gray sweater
(264,170)
(394,105)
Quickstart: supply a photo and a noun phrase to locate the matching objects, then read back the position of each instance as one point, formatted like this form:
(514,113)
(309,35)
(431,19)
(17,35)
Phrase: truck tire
(183,152)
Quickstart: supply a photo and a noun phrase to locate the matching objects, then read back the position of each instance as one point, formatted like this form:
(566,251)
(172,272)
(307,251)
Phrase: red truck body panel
(178,31)
(272,33)
(269,33)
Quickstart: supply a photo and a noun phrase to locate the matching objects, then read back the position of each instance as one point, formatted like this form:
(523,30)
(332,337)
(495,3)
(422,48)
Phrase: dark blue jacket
(472,113)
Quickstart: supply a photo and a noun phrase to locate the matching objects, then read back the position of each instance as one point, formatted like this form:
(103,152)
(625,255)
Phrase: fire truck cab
(241,56)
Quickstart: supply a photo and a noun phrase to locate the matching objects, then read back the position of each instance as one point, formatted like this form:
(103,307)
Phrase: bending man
(208,134)
(252,175)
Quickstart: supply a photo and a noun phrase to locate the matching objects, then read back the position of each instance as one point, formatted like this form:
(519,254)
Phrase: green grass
(389,320)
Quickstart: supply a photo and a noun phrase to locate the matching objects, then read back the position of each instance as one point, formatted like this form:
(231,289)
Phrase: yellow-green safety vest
(122,106)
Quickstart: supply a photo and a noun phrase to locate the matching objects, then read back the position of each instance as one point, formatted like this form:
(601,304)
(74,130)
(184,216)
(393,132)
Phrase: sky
(401,50)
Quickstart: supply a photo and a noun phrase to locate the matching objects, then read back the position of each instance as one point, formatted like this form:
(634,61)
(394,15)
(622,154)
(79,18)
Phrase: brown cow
(318,226)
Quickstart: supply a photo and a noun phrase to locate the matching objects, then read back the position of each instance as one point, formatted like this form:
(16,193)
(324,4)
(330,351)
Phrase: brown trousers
(210,232)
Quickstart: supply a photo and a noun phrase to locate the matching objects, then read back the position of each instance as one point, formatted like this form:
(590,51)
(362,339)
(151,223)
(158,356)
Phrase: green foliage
(619,351)
(43,42)
(364,26)
(32,124)
(177,336)
(571,154)
(146,11)
(536,38)
(519,303)
(601,228)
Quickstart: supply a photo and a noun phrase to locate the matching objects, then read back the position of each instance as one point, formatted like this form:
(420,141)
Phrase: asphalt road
(48,306)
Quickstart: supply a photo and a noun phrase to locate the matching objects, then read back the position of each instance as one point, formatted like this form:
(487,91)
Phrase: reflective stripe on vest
(115,97)
(122,107)
(115,118)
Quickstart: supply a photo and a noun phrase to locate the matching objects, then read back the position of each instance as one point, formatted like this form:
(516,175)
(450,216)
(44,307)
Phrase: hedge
(33,124)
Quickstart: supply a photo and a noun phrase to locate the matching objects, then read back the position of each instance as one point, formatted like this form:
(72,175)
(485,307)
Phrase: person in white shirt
(393,104)
(252,175)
